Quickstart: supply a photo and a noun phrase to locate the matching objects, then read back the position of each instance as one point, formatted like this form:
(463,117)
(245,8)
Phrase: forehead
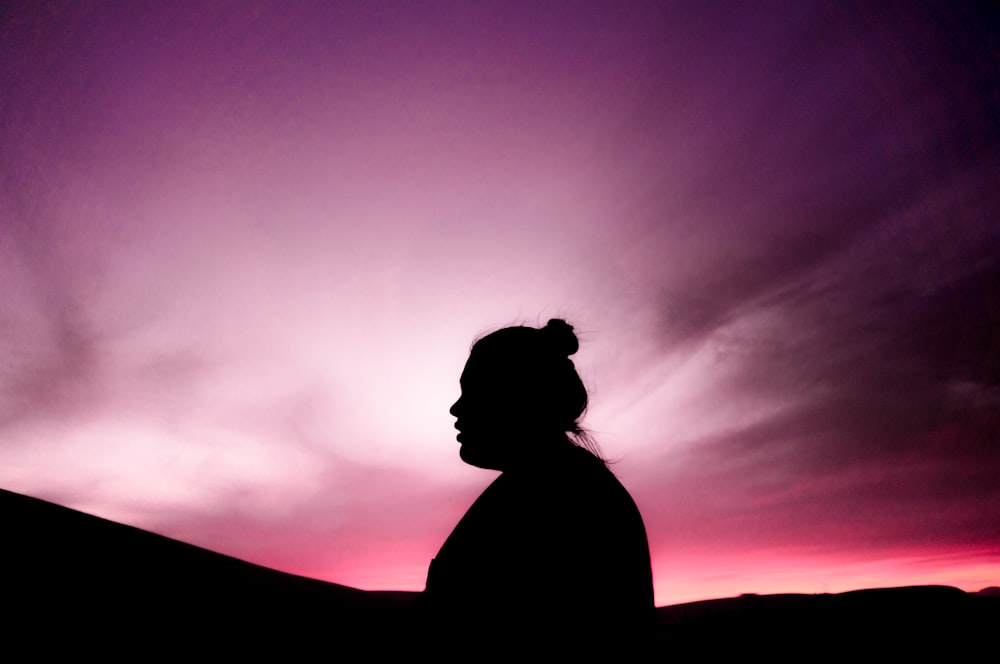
(482,371)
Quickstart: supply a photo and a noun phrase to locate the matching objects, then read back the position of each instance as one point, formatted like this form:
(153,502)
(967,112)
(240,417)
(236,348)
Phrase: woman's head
(520,391)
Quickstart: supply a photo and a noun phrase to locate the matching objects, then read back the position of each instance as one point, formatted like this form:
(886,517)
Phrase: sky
(245,248)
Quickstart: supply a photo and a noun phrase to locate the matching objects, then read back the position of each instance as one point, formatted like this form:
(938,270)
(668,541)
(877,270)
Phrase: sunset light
(245,249)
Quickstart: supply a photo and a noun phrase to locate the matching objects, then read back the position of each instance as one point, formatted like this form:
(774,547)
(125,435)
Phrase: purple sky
(244,250)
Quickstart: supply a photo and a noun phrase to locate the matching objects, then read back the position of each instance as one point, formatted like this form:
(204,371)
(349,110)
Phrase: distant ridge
(902,620)
(73,581)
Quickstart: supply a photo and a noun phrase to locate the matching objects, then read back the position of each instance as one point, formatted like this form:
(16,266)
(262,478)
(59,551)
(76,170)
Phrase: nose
(454,410)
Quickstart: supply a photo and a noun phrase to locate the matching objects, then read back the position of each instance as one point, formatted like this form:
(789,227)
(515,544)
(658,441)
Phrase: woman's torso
(558,543)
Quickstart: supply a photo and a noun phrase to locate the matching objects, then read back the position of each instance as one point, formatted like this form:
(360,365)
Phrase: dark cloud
(889,429)
(848,264)
(830,126)
(53,347)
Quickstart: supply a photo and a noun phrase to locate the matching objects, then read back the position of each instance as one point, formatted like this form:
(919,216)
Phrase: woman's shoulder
(574,481)
(584,468)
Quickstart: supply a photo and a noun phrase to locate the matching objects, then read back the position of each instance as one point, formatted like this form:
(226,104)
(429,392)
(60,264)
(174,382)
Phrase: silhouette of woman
(555,546)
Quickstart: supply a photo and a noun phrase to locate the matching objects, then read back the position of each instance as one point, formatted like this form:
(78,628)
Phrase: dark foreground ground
(75,582)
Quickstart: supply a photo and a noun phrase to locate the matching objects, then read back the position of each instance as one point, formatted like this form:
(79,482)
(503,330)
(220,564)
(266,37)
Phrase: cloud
(830,263)
(242,258)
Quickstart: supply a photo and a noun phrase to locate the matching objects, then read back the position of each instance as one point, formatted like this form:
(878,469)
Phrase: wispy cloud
(242,256)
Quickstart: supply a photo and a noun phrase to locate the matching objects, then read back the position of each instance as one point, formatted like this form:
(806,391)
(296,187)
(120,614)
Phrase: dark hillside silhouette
(859,623)
(72,582)
(92,580)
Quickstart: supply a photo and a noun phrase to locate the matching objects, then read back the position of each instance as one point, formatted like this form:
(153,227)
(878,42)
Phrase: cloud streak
(243,254)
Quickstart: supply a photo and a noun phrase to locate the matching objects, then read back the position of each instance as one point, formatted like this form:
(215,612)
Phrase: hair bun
(560,336)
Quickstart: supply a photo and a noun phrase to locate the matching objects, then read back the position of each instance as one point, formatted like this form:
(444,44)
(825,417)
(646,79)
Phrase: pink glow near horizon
(711,576)
(243,254)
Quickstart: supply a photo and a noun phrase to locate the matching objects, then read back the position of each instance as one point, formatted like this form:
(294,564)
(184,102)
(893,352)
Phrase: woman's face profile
(489,418)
